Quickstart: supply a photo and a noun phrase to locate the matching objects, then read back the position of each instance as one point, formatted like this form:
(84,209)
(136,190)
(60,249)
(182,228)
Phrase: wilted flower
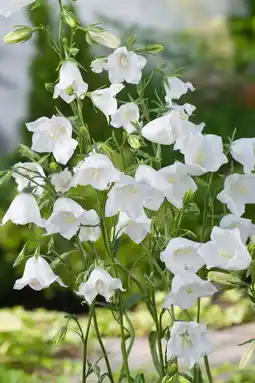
(105,99)
(53,135)
(124,65)
(136,229)
(29,174)
(124,117)
(225,250)
(181,255)
(245,226)
(175,88)
(7,7)
(71,84)
(243,151)
(38,275)
(99,282)
(98,65)
(61,181)
(188,342)
(186,289)
(90,229)
(105,38)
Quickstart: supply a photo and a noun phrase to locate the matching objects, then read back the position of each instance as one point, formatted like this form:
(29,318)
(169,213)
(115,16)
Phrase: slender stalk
(208,370)
(198,309)
(85,347)
(60,31)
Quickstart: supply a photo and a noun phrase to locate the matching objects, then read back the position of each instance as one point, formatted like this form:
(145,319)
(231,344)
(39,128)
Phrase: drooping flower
(90,229)
(245,226)
(175,88)
(98,65)
(23,210)
(62,181)
(124,65)
(175,182)
(136,229)
(105,38)
(65,219)
(127,196)
(29,174)
(105,99)
(96,170)
(238,191)
(181,255)
(186,110)
(186,289)
(124,117)
(204,153)
(225,250)
(160,130)
(71,84)
(243,151)
(7,7)
(38,275)
(148,175)
(184,130)
(188,342)
(53,135)
(100,282)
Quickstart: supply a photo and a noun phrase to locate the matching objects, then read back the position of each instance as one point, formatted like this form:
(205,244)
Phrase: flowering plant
(138,195)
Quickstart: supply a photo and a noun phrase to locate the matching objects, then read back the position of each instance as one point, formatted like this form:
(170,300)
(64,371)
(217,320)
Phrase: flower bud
(154,48)
(134,141)
(70,18)
(224,279)
(104,38)
(20,35)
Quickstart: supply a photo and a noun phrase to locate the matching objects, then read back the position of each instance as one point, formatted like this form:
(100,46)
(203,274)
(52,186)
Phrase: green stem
(205,208)
(208,370)
(198,309)
(60,31)
(85,347)
(123,345)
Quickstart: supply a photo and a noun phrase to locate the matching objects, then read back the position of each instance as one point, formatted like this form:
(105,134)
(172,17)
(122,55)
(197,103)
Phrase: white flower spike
(225,250)
(124,117)
(26,170)
(243,151)
(61,181)
(90,229)
(7,7)
(38,275)
(186,289)
(175,88)
(136,229)
(245,226)
(101,283)
(181,255)
(105,99)
(188,342)
(124,65)
(71,84)
(53,135)
(105,38)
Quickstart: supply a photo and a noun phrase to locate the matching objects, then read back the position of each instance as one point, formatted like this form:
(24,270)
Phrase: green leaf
(153,350)
(37,4)
(154,48)
(130,41)
(140,378)
(132,301)
(22,255)
(248,341)
(5,178)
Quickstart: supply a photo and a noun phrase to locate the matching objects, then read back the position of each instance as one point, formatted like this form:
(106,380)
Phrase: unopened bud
(61,334)
(49,87)
(53,165)
(70,18)
(134,141)
(104,38)
(224,279)
(154,48)
(20,35)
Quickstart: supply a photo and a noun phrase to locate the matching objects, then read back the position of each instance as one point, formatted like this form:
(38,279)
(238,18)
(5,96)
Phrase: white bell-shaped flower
(96,170)
(185,110)
(90,229)
(23,210)
(124,65)
(188,342)
(38,275)
(245,226)
(243,151)
(61,181)
(204,153)
(136,229)
(98,65)
(105,99)
(238,191)
(105,38)
(65,219)
(124,117)
(186,289)
(29,174)
(71,84)
(148,175)
(127,196)
(181,254)
(185,130)
(175,88)
(225,250)
(7,7)
(53,135)
(100,282)
(174,181)
(161,130)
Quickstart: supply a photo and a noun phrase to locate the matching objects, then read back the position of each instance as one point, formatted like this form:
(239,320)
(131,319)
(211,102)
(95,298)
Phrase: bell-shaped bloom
(245,226)
(90,229)
(7,7)
(174,181)
(204,153)
(65,219)
(23,210)
(188,342)
(238,191)
(98,65)
(136,229)
(127,196)
(186,110)
(96,170)
(160,130)
(185,130)
(61,181)
(148,175)
(29,174)
(175,88)
(124,65)
(38,275)
(100,282)
(53,135)
(243,151)
(105,38)
(71,84)
(181,255)
(124,117)
(225,250)
(186,289)
(105,99)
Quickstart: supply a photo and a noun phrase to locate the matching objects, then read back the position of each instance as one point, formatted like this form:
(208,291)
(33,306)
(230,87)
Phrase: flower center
(70,91)
(69,217)
(189,290)
(100,288)
(94,173)
(199,159)
(56,132)
(171,179)
(226,254)
(123,60)
(183,251)
(186,341)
